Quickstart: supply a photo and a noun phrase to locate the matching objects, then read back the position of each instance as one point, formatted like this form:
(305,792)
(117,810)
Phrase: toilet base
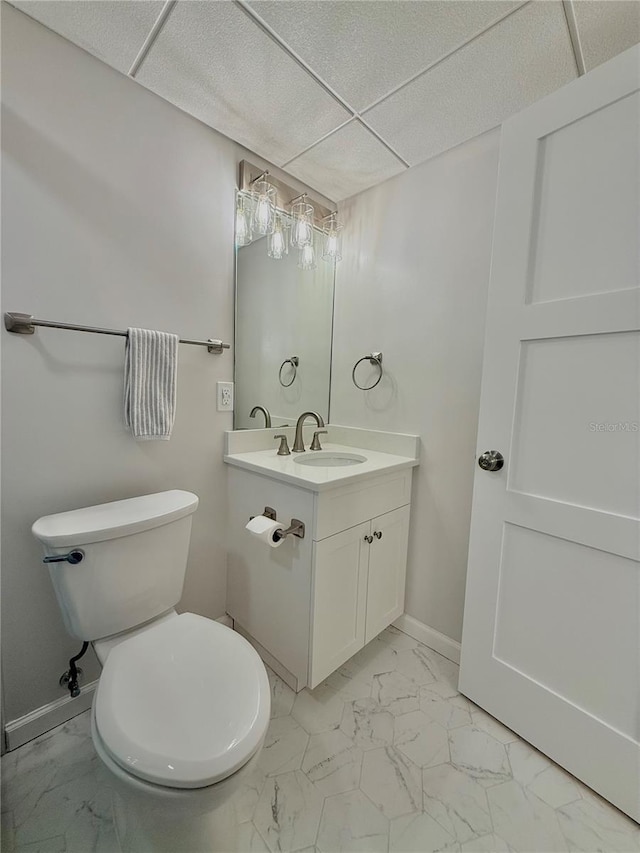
(142,830)
(153,819)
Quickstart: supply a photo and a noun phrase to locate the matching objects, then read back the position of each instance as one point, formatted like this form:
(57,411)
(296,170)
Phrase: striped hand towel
(150,378)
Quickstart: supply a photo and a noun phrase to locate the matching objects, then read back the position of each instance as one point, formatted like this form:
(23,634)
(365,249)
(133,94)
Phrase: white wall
(277,295)
(117,210)
(413,284)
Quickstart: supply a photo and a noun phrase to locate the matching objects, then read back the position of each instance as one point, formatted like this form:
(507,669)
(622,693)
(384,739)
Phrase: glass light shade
(332,240)
(277,241)
(264,207)
(301,224)
(307,256)
(244,234)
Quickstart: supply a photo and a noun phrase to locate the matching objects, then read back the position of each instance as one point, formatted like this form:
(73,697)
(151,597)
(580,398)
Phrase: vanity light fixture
(244,233)
(277,240)
(301,222)
(264,209)
(268,206)
(332,238)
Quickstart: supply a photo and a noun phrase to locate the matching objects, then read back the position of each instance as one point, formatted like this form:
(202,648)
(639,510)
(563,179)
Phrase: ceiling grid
(347,93)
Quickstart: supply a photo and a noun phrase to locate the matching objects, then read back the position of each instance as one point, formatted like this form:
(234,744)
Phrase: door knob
(491,460)
(368,539)
(378,534)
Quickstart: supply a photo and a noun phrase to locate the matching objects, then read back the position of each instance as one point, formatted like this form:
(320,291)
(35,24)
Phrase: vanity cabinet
(312,603)
(358,589)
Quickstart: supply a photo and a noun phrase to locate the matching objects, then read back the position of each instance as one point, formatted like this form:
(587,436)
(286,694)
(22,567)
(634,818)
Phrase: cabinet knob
(368,539)
(378,534)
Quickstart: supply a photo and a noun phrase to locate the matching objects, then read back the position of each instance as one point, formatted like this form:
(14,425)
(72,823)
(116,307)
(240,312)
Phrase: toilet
(183,702)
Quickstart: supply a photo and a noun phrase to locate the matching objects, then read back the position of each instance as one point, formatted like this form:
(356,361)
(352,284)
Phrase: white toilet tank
(135,557)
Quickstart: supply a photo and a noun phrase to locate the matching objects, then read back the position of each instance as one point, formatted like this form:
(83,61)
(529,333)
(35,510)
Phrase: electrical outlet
(225,396)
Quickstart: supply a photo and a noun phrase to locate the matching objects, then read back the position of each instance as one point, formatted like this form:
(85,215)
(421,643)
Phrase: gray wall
(413,284)
(117,211)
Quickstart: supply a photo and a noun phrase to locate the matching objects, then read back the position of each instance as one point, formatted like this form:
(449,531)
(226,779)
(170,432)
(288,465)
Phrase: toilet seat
(184,704)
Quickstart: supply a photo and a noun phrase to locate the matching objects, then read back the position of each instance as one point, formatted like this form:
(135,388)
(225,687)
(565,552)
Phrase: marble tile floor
(385,755)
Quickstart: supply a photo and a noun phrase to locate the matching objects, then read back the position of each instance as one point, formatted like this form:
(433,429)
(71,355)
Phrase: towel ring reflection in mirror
(294,361)
(374,358)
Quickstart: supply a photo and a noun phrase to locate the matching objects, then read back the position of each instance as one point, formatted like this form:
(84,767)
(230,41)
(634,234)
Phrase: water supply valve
(71,678)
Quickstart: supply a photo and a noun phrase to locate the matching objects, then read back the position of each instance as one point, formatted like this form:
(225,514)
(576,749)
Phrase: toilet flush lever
(74,557)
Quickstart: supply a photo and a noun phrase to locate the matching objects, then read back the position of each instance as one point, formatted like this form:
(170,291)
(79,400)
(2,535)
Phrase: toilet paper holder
(268,512)
(296,528)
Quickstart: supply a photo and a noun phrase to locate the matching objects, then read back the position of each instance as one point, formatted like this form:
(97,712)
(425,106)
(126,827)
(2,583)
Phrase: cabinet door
(387,570)
(338,599)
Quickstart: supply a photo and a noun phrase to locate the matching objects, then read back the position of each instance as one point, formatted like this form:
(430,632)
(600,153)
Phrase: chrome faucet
(265,412)
(298,444)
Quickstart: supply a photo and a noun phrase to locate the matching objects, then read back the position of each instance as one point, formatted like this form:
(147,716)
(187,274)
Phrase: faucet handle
(283,450)
(315,444)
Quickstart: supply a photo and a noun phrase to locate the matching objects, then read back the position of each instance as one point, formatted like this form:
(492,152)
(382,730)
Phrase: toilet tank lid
(112,520)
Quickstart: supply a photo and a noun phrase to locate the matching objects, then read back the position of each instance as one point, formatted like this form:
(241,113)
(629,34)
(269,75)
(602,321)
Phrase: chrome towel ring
(374,358)
(294,361)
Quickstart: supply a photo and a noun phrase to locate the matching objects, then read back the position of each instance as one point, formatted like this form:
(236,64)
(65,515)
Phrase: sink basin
(329,459)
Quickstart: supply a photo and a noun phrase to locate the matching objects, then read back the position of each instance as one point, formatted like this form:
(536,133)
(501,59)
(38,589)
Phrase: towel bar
(24,324)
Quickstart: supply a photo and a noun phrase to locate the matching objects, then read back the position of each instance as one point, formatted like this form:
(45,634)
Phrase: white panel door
(387,570)
(339,597)
(551,633)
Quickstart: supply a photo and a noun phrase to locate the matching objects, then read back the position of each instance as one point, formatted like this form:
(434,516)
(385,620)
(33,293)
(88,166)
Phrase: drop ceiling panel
(365,48)
(517,62)
(112,30)
(606,28)
(347,162)
(214,62)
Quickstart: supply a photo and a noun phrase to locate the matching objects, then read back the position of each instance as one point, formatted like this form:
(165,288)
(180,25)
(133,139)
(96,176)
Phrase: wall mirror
(284,325)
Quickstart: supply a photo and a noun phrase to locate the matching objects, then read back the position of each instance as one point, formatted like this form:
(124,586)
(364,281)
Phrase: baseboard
(47,717)
(440,643)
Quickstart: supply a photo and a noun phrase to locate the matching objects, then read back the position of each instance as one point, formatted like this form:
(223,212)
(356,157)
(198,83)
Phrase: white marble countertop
(288,470)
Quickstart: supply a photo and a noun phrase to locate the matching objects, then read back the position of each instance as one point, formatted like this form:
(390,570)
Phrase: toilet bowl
(179,718)
(183,702)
